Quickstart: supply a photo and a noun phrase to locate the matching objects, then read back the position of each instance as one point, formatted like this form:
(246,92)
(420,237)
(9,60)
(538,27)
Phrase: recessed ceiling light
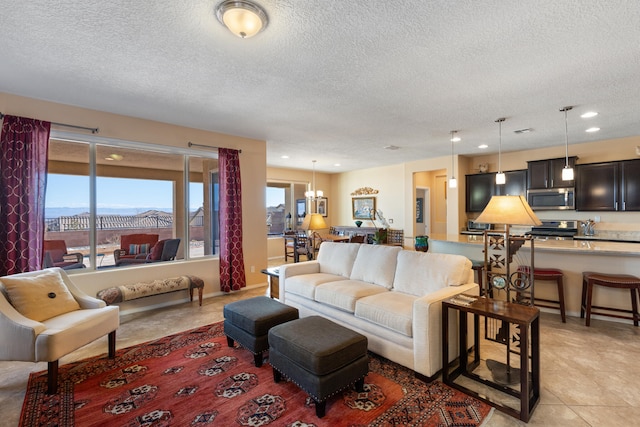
(592,130)
(284,157)
(456,139)
(589,114)
(337,164)
(483,146)
(391,147)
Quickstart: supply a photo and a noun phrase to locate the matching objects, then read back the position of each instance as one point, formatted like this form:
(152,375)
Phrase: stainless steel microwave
(552,199)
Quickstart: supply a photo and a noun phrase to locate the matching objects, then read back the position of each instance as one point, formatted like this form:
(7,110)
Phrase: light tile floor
(590,376)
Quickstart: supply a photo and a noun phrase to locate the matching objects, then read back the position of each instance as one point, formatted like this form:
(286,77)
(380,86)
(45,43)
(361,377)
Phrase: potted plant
(380,236)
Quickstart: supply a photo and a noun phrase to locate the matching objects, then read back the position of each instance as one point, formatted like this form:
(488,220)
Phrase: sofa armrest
(85,301)
(75,257)
(290,270)
(18,330)
(427,327)
(117,254)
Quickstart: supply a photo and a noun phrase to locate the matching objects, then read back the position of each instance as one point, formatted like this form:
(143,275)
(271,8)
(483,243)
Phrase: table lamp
(507,210)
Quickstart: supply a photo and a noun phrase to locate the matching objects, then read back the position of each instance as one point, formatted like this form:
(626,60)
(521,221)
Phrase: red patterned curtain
(24,145)
(232,274)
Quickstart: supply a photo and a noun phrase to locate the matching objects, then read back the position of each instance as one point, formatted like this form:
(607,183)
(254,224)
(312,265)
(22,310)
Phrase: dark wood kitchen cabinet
(548,173)
(610,186)
(515,184)
(480,188)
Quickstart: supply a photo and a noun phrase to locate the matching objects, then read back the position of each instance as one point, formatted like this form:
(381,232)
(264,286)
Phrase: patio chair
(164,250)
(55,255)
(133,246)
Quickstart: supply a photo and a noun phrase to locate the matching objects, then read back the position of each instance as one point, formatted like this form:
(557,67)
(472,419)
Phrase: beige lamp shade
(313,221)
(512,210)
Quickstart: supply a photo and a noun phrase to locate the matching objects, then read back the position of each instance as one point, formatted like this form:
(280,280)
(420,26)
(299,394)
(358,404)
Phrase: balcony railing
(114,222)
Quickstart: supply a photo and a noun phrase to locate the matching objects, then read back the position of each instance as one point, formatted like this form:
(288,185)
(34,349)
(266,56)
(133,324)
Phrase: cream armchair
(44,316)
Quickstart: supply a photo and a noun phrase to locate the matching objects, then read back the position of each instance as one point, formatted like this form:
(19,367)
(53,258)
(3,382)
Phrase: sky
(72,191)
(275,196)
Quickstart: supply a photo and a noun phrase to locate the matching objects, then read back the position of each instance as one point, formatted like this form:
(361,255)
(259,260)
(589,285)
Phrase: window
(282,209)
(136,189)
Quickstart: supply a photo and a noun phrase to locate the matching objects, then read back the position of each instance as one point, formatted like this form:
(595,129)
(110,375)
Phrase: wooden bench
(133,291)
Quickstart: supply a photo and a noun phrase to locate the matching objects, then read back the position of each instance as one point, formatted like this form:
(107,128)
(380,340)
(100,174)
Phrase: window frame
(94,140)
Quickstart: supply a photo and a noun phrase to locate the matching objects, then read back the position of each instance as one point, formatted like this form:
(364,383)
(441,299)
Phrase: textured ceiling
(337,81)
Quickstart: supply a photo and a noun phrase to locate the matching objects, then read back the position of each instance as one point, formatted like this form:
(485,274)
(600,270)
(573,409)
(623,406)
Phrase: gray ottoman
(320,356)
(248,322)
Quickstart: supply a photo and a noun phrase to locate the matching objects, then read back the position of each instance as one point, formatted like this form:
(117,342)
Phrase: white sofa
(390,295)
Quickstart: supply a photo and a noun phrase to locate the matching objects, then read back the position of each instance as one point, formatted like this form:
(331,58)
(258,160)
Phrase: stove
(555,230)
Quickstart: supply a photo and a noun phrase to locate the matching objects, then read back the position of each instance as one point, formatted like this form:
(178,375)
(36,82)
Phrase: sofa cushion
(156,251)
(40,297)
(135,249)
(305,284)
(376,264)
(420,273)
(337,258)
(392,310)
(344,293)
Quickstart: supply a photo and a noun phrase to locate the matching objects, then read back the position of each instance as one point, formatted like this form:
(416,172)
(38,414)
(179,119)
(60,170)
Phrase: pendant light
(313,194)
(453,183)
(500,177)
(567,172)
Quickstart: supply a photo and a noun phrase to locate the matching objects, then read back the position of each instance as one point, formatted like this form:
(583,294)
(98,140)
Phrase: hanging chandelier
(313,194)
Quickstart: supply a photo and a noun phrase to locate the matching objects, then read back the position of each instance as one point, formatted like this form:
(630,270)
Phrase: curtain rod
(93,130)
(193,144)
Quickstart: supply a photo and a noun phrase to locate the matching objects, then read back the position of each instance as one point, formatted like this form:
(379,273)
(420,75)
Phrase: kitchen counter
(608,238)
(572,257)
(599,247)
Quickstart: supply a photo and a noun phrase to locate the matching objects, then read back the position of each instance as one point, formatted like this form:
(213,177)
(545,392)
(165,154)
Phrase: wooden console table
(528,319)
(394,237)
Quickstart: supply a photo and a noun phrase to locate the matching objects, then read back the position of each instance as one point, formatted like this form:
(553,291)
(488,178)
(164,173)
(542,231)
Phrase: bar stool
(551,275)
(620,281)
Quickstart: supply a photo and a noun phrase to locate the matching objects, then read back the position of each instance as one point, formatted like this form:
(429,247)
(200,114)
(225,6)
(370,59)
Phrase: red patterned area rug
(195,379)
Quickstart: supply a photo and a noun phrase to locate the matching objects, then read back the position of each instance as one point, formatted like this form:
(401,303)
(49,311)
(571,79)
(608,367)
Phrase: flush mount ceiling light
(243,18)
(500,176)
(567,172)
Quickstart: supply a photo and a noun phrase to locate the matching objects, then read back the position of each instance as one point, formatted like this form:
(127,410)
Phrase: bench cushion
(133,291)
(318,345)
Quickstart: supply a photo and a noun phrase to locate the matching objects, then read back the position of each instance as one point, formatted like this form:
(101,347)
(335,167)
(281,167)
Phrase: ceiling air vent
(526,130)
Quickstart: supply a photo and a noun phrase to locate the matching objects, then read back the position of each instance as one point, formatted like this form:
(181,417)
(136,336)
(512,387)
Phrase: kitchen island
(571,256)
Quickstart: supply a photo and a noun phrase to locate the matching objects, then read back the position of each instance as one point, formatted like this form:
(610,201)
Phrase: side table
(273,279)
(526,317)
